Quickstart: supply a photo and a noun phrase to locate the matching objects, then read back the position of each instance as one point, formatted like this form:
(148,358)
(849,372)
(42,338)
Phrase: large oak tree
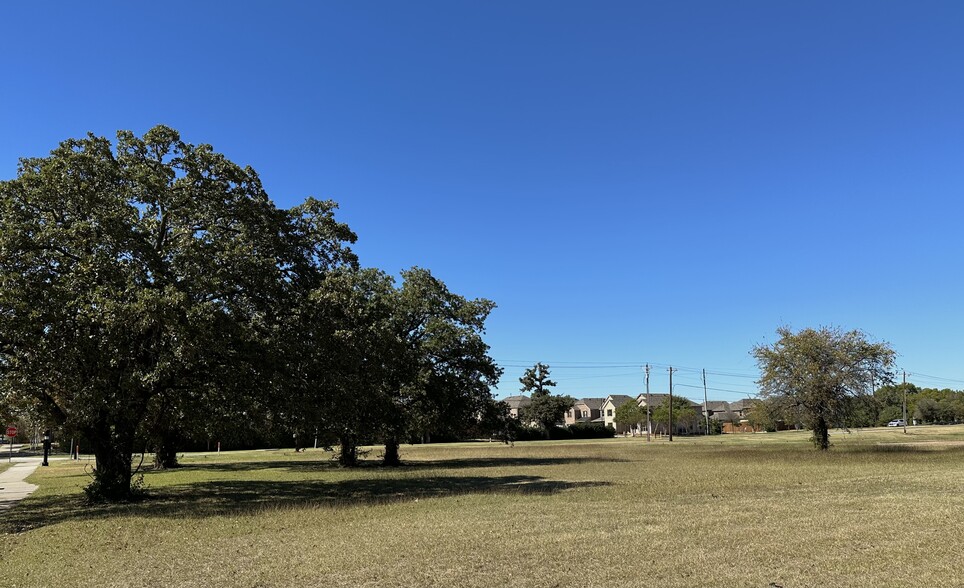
(147,279)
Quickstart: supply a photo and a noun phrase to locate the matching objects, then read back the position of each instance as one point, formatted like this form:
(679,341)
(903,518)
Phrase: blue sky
(631,182)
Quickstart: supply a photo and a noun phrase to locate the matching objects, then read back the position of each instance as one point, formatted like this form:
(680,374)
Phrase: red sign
(11,431)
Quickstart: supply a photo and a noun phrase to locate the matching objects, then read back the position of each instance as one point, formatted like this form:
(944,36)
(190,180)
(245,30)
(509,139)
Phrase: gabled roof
(718,405)
(618,400)
(592,403)
(654,399)
(658,400)
(517,402)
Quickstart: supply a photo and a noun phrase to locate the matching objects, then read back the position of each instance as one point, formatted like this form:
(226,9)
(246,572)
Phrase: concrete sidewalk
(13,489)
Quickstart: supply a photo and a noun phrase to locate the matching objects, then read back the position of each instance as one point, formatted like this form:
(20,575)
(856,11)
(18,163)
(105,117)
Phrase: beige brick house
(585,410)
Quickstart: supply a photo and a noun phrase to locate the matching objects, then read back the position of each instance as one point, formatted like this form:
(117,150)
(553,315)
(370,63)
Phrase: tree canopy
(150,275)
(630,414)
(544,408)
(150,290)
(684,414)
(820,371)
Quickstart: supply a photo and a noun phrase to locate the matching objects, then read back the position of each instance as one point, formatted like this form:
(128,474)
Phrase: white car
(896,423)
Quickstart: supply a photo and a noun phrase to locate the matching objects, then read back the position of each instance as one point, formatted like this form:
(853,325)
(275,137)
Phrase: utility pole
(649,423)
(905,402)
(671,370)
(705,412)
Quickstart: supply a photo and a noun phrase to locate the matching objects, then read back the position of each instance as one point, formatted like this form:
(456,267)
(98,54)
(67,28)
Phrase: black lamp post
(46,446)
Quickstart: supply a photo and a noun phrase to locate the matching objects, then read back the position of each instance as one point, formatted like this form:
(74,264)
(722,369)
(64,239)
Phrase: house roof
(517,402)
(718,405)
(659,399)
(618,400)
(654,399)
(592,403)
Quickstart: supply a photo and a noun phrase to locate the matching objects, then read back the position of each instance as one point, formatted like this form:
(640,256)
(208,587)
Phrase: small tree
(683,413)
(630,414)
(544,408)
(536,380)
(766,414)
(818,370)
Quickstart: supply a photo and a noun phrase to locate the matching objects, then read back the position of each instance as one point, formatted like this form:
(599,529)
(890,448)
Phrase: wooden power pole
(905,402)
(671,370)
(649,422)
(706,413)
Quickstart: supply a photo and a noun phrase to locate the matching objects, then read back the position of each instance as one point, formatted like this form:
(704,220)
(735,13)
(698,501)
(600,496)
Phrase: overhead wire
(686,371)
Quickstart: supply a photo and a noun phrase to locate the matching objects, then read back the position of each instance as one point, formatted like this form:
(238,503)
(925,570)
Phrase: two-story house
(585,410)
(516,403)
(608,409)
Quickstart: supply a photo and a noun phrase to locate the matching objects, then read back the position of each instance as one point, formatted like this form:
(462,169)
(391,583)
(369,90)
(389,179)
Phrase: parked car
(896,423)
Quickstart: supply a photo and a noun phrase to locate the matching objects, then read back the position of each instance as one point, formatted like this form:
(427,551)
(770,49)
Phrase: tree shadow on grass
(238,497)
(921,447)
(314,465)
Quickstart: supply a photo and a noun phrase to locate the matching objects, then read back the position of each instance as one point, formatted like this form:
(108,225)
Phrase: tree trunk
(349,451)
(165,452)
(391,452)
(112,447)
(821,434)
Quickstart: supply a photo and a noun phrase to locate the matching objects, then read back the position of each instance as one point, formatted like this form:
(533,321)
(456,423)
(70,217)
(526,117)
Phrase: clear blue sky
(631,182)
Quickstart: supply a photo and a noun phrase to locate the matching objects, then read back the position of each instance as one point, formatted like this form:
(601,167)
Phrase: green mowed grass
(881,509)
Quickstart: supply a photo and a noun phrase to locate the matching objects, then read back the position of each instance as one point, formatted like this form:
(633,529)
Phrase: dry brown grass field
(880,509)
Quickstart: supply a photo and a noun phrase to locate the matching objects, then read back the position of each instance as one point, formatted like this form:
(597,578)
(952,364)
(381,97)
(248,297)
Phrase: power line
(938,378)
(522,363)
(594,377)
(686,371)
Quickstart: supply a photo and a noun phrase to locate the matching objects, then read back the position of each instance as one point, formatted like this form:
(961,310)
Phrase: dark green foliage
(536,380)
(544,408)
(446,375)
(684,415)
(591,431)
(630,414)
(143,286)
(576,431)
(494,421)
(152,295)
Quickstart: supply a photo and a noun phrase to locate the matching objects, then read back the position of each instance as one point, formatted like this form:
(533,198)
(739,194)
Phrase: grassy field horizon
(880,509)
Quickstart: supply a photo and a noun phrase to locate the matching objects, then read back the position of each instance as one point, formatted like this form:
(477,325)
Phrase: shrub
(591,431)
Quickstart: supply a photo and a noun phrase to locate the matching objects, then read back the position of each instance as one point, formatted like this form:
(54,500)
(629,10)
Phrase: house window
(585,414)
(609,412)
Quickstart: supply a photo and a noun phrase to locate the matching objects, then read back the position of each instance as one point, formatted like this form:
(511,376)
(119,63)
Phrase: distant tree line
(153,297)
(925,406)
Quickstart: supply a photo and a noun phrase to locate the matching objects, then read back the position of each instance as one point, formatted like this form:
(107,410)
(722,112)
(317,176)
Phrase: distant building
(655,399)
(516,403)
(585,410)
(609,406)
(658,399)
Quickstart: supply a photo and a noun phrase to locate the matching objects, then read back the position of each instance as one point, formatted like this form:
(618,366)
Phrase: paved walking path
(13,489)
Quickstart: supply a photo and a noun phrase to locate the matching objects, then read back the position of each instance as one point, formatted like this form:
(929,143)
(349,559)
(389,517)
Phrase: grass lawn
(881,509)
